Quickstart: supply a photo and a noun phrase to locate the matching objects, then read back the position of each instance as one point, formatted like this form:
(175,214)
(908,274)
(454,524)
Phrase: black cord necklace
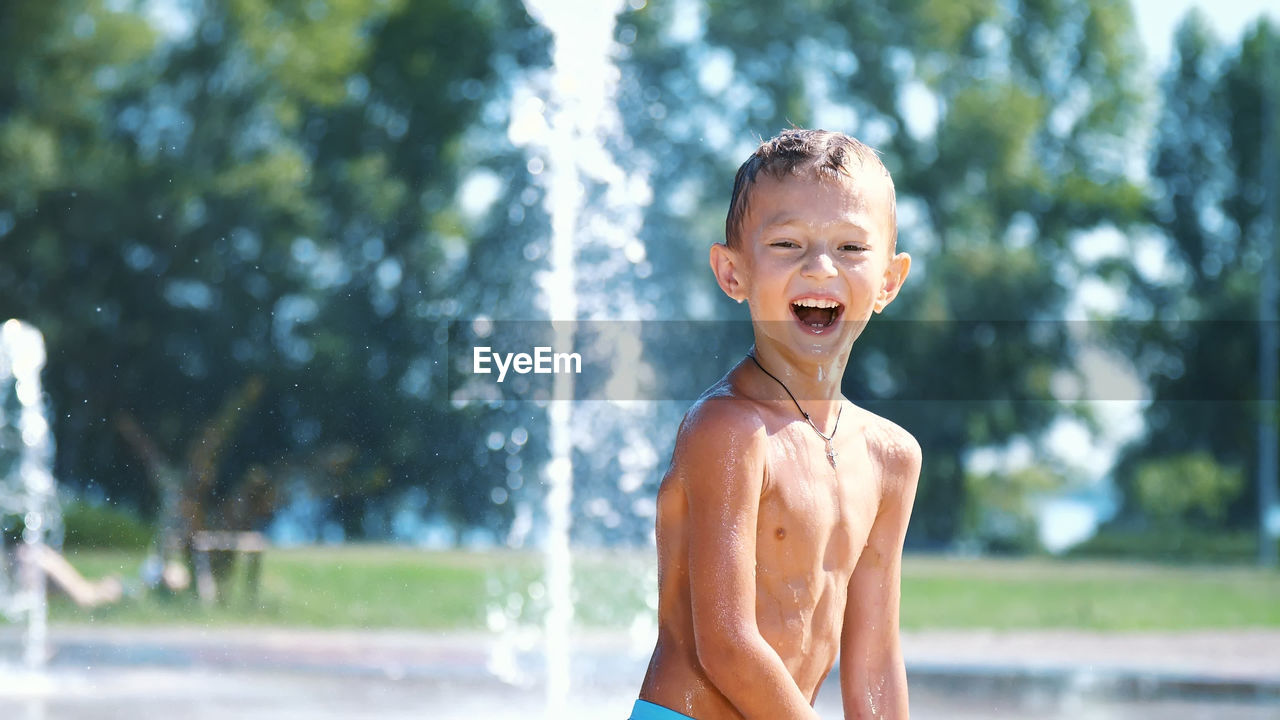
(831,453)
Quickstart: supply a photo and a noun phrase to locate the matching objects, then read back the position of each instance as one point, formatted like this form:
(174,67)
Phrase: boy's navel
(780,533)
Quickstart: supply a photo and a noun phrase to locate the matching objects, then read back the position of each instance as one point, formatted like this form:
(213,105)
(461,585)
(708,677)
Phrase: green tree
(1186,489)
(265,191)
(1194,339)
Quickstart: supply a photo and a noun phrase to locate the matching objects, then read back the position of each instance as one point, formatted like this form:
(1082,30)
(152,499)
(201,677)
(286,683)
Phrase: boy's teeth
(816,313)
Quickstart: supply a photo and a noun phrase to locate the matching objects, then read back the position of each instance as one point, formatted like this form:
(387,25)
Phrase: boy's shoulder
(722,412)
(890,445)
(720,450)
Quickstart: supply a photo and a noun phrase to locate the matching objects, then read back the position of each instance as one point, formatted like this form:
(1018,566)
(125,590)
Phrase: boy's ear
(726,263)
(894,276)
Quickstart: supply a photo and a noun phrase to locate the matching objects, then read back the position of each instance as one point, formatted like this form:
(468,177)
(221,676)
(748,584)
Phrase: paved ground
(100,674)
(1237,656)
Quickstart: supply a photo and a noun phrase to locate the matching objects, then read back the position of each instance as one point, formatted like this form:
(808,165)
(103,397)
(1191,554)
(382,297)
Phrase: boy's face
(814,259)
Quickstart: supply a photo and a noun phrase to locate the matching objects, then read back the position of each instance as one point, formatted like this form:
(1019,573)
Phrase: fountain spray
(581,85)
(27,493)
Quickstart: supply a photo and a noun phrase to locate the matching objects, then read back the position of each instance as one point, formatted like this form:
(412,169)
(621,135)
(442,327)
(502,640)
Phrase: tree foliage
(307,195)
(1195,338)
(259,191)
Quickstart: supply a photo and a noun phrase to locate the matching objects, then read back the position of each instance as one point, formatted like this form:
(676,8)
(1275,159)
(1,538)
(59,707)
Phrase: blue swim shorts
(648,711)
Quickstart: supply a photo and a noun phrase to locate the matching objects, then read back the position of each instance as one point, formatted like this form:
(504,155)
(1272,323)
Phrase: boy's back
(781,521)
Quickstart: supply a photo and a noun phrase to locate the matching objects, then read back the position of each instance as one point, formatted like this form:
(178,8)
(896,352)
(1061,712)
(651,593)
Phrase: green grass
(373,587)
(1097,595)
(387,587)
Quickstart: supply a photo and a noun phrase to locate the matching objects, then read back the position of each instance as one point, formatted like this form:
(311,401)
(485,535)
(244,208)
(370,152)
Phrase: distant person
(780,523)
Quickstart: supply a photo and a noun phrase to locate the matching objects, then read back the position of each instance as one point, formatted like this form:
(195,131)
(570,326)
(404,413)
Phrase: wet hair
(796,151)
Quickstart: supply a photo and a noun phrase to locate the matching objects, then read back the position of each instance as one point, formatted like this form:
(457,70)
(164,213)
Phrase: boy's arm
(722,471)
(873,677)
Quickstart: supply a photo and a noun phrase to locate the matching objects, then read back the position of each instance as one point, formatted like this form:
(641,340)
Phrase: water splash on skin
(878,693)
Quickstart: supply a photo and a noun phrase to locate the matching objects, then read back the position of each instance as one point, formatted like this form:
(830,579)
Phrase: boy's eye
(784,243)
(853,248)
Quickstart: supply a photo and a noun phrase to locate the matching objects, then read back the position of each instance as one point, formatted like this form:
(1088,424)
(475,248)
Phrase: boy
(781,521)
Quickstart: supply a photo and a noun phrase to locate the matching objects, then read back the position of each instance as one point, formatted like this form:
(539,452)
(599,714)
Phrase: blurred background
(252,233)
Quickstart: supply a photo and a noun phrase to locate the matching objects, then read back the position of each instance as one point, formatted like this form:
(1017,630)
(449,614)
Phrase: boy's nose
(819,264)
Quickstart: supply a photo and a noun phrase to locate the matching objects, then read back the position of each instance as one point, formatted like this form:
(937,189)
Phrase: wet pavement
(101,674)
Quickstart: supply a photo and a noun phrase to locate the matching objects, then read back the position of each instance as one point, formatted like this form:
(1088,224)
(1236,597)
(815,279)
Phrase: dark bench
(249,544)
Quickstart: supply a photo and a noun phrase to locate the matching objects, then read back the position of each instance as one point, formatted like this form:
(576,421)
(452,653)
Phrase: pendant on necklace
(831,455)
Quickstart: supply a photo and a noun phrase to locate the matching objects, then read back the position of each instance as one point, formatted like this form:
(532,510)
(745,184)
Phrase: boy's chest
(804,497)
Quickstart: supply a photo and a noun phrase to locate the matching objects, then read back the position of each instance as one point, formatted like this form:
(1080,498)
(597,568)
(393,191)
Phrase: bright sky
(1157,19)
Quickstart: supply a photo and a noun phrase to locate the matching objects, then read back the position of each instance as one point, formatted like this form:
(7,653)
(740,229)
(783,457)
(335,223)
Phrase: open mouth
(816,314)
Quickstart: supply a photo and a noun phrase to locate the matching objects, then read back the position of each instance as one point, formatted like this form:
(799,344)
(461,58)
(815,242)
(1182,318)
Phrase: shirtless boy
(781,520)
